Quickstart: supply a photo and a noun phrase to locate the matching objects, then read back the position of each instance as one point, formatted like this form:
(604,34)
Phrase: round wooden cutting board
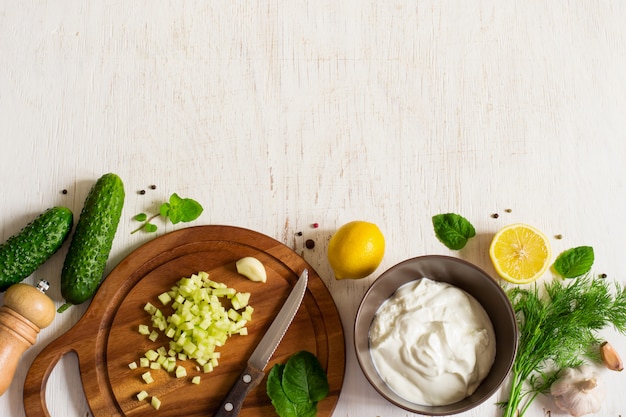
(106,338)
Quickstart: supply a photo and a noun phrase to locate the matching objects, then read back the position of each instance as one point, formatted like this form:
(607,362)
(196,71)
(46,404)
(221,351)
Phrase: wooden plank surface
(278,114)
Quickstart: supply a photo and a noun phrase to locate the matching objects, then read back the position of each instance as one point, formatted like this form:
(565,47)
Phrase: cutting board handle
(83,340)
(37,377)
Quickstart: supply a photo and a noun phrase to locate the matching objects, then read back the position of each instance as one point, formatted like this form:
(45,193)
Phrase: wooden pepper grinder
(26,310)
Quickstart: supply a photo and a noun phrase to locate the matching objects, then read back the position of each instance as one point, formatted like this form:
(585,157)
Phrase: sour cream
(432,343)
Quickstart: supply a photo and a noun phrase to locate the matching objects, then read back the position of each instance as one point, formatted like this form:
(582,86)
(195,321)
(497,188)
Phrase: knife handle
(249,379)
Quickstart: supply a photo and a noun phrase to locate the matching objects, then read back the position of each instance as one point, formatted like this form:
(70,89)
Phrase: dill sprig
(558,329)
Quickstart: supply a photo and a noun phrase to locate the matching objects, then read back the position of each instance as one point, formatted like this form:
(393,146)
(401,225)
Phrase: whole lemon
(356,249)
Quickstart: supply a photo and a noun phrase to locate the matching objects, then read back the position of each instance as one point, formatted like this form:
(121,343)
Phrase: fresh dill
(558,329)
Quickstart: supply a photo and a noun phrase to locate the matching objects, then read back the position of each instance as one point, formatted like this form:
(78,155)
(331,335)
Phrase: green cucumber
(91,243)
(27,250)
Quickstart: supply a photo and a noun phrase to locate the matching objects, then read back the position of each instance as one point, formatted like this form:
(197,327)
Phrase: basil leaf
(304,380)
(282,404)
(453,230)
(574,262)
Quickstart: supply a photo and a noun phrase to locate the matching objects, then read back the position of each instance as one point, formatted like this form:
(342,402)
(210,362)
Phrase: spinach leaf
(297,386)
(453,230)
(304,379)
(574,262)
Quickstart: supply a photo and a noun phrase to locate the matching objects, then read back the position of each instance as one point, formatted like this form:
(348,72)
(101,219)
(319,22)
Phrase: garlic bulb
(579,391)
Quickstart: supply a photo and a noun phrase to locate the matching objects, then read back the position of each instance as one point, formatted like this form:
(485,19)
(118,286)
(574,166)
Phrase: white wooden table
(278,114)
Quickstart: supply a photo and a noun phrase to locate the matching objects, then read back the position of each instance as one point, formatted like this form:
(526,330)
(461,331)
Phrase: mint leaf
(181,209)
(175,199)
(141,217)
(164,209)
(574,262)
(177,210)
(453,230)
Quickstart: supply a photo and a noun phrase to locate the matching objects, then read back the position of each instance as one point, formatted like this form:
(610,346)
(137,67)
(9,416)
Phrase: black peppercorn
(310,243)
(142,192)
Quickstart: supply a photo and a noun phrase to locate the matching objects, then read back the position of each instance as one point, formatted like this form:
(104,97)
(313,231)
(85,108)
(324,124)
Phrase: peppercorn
(603,276)
(315,225)
(64,191)
(559,236)
(495,215)
(508,210)
(299,234)
(153,187)
(310,243)
(142,192)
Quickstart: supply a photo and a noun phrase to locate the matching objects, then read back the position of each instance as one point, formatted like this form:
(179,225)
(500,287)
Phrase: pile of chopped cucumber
(199,324)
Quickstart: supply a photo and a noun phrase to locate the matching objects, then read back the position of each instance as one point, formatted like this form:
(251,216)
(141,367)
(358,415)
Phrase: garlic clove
(610,357)
(578,391)
(252,269)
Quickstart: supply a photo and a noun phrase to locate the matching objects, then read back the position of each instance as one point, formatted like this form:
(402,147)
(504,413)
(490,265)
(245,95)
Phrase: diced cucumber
(155,403)
(147,377)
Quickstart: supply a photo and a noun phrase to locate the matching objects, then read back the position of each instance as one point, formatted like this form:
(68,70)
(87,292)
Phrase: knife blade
(253,373)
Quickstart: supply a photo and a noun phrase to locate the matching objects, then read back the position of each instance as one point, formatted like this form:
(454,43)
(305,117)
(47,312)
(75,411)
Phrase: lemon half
(520,253)
(356,250)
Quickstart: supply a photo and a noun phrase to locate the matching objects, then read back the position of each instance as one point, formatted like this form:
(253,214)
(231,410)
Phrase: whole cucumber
(27,250)
(92,240)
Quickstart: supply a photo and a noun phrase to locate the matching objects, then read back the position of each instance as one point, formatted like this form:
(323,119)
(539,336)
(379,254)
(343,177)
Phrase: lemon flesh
(520,253)
(356,250)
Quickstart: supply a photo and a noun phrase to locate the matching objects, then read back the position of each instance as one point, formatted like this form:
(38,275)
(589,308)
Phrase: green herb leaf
(296,387)
(304,379)
(181,209)
(282,404)
(177,210)
(164,209)
(557,330)
(574,262)
(453,230)
(141,217)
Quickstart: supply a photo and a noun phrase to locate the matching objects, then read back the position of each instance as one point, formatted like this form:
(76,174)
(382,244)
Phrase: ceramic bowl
(465,276)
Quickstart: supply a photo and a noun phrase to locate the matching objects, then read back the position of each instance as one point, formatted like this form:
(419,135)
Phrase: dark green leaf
(304,379)
(283,406)
(574,262)
(453,230)
(141,217)
(274,387)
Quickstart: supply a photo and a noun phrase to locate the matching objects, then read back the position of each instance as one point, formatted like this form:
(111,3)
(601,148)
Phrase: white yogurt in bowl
(432,343)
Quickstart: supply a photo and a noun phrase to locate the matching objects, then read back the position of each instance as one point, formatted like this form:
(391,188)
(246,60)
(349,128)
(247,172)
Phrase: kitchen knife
(253,374)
